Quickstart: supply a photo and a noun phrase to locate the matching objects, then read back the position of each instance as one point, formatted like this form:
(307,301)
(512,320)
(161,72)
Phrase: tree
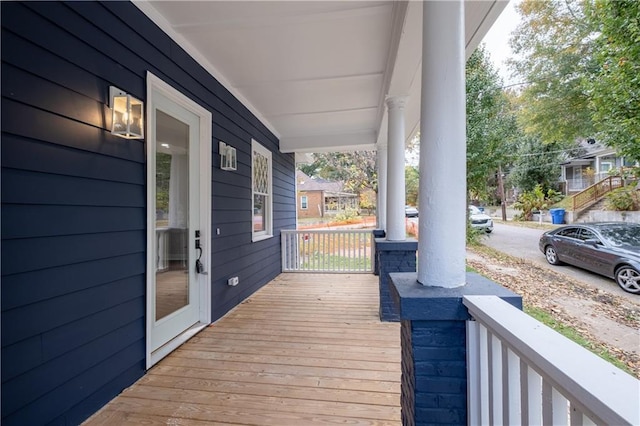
(536,164)
(553,47)
(615,92)
(412,181)
(357,169)
(163,175)
(491,125)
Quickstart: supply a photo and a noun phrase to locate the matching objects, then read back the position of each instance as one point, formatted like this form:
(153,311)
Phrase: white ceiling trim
(361,141)
(295,18)
(495,9)
(161,22)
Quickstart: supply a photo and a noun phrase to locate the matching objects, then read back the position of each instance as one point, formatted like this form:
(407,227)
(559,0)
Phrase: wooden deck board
(305,349)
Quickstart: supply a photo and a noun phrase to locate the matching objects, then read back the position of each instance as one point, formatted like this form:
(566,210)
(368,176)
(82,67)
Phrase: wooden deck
(305,349)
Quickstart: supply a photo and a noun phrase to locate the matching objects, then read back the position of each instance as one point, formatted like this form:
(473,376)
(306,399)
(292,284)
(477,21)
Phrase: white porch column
(443,184)
(382,187)
(395,170)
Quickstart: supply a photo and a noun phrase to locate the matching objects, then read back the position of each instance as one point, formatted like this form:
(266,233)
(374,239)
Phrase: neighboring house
(98,230)
(318,197)
(594,165)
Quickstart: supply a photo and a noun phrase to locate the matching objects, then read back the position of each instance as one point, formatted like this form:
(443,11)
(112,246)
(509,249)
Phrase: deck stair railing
(326,251)
(595,192)
(522,372)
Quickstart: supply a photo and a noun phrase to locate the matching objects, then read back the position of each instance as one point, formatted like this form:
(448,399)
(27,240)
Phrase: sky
(497,39)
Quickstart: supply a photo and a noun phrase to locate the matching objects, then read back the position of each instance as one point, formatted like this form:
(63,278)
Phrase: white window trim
(268,232)
(304,205)
(606,163)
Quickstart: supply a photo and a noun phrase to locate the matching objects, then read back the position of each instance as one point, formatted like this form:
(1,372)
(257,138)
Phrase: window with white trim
(605,166)
(304,202)
(262,199)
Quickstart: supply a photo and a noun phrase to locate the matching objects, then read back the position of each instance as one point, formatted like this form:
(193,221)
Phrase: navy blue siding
(74,203)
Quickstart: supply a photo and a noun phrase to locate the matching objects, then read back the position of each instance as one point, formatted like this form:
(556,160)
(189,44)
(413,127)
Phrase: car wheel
(628,279)
(551,255)
(488,231)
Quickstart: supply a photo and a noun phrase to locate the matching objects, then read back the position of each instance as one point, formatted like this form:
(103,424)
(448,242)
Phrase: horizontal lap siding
(74,203)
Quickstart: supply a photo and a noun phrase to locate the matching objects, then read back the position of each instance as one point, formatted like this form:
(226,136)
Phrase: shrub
(623,199)
(535,200)
(474,235)
(347,214)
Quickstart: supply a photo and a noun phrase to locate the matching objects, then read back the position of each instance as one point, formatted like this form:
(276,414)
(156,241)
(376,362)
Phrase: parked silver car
(611,249)
(410,211)
(480,220)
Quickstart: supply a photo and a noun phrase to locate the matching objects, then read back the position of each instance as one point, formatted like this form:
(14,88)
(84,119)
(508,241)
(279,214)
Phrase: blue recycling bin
(557,216)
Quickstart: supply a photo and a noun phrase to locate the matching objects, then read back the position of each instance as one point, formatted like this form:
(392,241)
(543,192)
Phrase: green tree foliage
(368,201)
(356,169)
(615,92)
(491,125)
(412,182)
(553,54)
(537,164)
(163,174)
(580,60)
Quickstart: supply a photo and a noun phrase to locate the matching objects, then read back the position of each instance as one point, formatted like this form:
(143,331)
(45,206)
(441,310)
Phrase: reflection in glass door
(172,215)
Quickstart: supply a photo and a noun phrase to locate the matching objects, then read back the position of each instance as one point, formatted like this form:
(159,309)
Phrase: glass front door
(176,225)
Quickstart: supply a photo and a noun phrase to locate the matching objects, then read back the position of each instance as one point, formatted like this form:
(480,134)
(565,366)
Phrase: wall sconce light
(228,158)
(128,114)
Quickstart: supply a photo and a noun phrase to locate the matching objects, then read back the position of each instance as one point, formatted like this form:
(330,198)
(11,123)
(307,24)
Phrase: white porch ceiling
(315,72)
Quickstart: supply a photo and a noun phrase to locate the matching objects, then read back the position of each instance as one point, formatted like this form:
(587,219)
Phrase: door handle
(199,266)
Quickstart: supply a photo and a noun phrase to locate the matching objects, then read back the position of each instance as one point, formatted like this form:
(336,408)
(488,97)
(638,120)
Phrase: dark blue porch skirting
(393,256)
(377,233)
(433,338)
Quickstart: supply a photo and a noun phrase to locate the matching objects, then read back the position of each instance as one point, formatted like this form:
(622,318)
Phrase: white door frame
(155,84)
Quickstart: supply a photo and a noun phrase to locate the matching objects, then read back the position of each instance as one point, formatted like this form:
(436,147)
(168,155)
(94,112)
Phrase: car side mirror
(593,242)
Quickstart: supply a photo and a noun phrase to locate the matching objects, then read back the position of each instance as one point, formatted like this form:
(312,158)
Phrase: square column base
(393,256)
(434,346)
(377,234)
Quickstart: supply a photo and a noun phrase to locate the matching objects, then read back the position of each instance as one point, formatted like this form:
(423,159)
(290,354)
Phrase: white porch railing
(522,372)
(339,251)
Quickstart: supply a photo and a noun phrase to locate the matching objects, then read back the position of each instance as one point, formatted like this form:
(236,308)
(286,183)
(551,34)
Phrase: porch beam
(443,147)
(395,169)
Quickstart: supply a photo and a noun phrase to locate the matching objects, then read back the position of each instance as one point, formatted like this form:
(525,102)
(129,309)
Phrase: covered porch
(311,349)
(305,349)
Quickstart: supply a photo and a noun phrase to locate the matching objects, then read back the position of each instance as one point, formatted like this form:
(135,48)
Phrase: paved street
(523,243)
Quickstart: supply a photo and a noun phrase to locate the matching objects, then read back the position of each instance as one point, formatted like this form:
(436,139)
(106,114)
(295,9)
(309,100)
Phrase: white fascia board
(323,143)
(605,153)
(485,25)
(303,158)
(165,26)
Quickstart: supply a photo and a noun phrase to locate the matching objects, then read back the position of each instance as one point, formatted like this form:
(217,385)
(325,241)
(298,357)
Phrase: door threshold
(173,344)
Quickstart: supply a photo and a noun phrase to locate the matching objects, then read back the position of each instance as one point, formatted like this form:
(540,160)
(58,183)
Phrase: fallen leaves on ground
(546,290)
